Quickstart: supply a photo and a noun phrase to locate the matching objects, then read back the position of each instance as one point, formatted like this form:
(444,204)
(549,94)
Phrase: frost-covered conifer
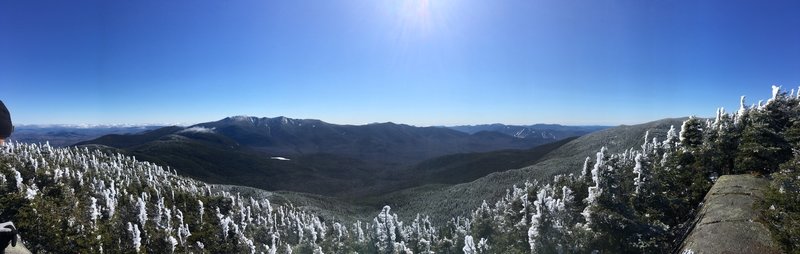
(599,165)
(775,92)
(684,129)
(567,197)
(691,134)
(135,236)
(717,124)
(94,212)
(140,205)
(31,191)
(224,222)
(401,248)
(79,176)
(250,245)
(533,232)
(596,190)
(320,228)
(18,179)
(200,202)
(671,140)
(644,145)
(183,229)
(172,243)
(638,170)
(157,216)
(585,170)
(741,113)
(110,197)
(274,248)
(312,231)
(385,230)
(425,246)
(469,245)
(359,232)
(168,217)
(536,220)
(483,246)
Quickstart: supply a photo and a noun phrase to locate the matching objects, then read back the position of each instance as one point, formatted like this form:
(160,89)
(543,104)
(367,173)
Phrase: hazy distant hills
(536,131)
(314,156)
(64,135)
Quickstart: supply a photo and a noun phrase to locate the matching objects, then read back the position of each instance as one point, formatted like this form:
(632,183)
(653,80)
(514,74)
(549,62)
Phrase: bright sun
(415,17)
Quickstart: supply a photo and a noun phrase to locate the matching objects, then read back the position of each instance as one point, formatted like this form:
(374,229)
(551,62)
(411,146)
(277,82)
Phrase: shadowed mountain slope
(442,201)
(466,167)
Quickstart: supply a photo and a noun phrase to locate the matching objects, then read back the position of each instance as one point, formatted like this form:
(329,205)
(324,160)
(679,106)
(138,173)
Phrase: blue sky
(407,61)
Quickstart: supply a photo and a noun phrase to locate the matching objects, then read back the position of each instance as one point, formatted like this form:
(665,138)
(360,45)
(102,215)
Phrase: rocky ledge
(728,221)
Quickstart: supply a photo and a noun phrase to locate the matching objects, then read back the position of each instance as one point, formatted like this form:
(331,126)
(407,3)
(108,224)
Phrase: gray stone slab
(731,237)
(741,184)
(730,207)
(728,221)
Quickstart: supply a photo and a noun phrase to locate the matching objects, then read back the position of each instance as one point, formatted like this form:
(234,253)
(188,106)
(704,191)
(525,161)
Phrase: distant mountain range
(59,135)
(536,131)
(309,155)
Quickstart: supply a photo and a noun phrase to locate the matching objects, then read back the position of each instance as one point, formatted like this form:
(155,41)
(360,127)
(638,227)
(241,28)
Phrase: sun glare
(415,18)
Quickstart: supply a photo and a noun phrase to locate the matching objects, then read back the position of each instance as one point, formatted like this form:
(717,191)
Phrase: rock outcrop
(728,221)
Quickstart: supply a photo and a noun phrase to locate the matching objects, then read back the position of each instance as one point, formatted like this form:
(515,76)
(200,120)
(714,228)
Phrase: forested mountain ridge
(304,155)
(635,200)
(384,142)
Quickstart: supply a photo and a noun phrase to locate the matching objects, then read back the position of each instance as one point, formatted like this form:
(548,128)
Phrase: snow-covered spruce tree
(385,231)
(691,134)
(597,186)
(761,148)
(781,205)
(483,225)
(641,174)
(672,141)
(766,135)
(469,246)
(512,219)
(551,226)
(723,136)
(741,114)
